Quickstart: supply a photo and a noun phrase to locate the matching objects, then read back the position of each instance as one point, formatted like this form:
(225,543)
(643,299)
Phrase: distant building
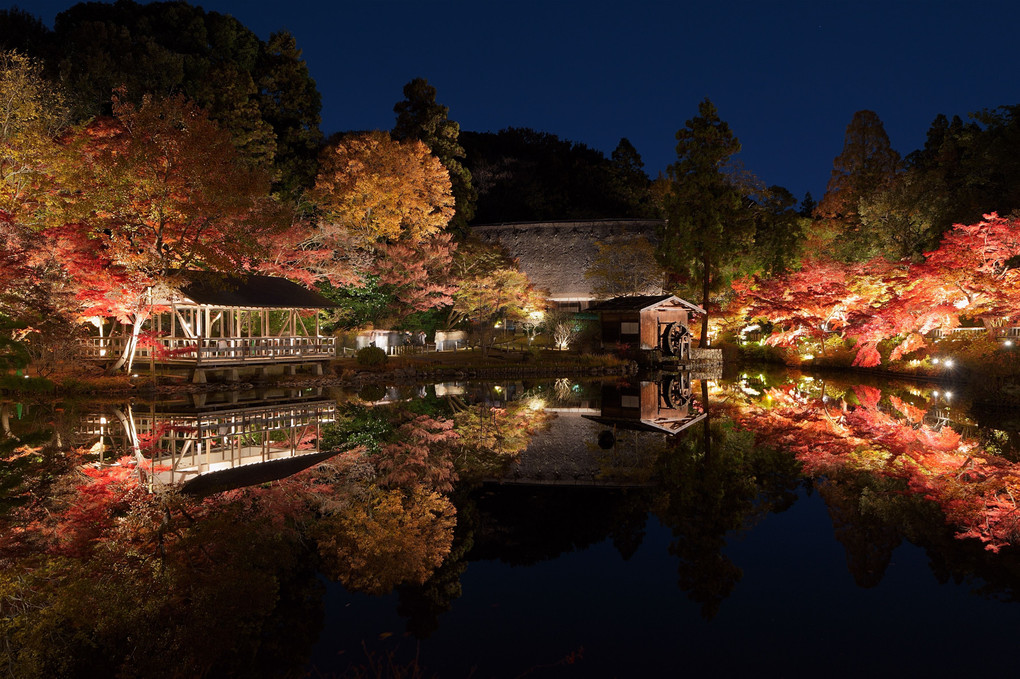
(556,255)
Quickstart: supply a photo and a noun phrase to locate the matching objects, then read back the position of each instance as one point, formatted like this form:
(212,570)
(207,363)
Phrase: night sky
(786,76)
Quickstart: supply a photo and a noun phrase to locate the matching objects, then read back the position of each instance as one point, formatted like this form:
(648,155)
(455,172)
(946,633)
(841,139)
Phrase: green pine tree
(709,223)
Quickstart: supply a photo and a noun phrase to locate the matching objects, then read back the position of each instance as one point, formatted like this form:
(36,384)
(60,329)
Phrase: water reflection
(423,485)
(176,442)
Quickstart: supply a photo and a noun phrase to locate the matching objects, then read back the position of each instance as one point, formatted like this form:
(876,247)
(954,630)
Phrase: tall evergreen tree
(420,117)
(866,165)
(290,102)
(708,223)
(630,181)
(779,231)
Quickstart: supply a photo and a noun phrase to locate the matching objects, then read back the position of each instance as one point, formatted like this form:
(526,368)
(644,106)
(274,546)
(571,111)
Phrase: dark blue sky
(787,76)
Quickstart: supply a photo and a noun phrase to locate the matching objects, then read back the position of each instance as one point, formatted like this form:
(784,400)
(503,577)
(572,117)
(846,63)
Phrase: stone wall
(555,255)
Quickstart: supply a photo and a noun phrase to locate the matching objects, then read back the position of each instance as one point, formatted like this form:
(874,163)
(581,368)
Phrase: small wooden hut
(659,323)
(219,322)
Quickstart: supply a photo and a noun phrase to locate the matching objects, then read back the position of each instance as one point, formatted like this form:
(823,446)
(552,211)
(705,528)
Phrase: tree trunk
(128,355)
(708,429)
(703,341)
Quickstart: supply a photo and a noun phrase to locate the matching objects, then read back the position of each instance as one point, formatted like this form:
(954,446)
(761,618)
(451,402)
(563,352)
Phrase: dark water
(643,553)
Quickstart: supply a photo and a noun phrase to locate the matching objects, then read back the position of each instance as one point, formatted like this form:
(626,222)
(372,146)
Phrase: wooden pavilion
(217,322)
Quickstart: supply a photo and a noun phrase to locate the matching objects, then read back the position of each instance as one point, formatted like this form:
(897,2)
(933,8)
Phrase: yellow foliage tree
(380,189)
(32,112)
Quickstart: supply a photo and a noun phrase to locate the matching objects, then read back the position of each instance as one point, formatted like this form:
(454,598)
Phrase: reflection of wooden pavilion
(179,445)
(657,323)
(216,322)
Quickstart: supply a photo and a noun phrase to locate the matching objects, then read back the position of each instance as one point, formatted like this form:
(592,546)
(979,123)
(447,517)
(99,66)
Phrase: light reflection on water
(578,537)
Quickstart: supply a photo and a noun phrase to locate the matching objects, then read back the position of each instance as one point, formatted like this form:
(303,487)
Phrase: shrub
(370,356)
(372,393)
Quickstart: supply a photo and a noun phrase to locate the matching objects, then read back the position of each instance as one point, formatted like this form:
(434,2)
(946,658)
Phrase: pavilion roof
(250,291)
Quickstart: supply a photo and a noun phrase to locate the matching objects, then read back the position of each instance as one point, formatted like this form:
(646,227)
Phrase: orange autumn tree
(379,208)
(157,189)
(381,190)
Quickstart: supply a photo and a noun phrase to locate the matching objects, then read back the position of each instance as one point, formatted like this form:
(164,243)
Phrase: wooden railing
(217,351)
(999,333)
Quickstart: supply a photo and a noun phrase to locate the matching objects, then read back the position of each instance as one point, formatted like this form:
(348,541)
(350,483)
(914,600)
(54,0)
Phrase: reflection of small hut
(650,322)
(663,405)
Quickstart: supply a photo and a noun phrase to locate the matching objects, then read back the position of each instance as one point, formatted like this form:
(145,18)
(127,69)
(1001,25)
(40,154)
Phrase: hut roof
(555,255)
(222,290)
(642,302)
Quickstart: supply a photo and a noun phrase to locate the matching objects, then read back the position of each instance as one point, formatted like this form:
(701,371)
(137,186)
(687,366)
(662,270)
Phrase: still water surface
(605,529)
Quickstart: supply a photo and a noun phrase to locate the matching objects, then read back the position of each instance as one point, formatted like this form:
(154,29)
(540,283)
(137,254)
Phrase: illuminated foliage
(33,115)
(379,189)
(971,275)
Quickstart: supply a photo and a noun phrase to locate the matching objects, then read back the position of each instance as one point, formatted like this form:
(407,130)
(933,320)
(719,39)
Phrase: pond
(775,523)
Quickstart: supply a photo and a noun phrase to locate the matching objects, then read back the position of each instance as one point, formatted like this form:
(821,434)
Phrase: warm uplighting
(1007,343)
(935,361)
(536,404)
(808,357)
(948,362)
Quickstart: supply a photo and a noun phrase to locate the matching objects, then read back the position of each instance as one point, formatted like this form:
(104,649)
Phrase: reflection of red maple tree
(975,489)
